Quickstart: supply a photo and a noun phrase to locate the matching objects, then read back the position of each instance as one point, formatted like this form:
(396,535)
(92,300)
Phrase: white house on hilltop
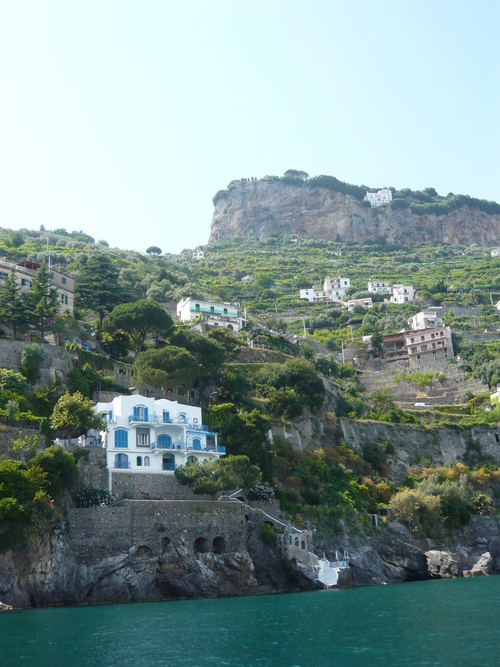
(379,198)
(402,294)
(378,286)
(198,254)
(336,287)
(212,313)
(156,436)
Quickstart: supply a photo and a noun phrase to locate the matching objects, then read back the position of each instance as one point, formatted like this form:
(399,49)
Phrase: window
(121,461)
(423,348)
(64,299)
(197,444)
(225,311)
(63,280)
(197,305)
(433,345)
(121,438)
(412,340)
(143,437)
(168,462)
(441,333)
(146,461)
(212,309)
(165,442)
(191,460)
(166,416)
(195,420)
(52,276)
(413,349)
(139,461)
(140,413)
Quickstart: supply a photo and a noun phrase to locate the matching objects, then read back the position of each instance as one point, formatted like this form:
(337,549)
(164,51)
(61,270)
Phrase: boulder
(484,566)
(444,565)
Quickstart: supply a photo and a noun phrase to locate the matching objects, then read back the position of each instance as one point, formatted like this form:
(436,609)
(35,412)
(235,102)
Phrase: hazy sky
(124,118)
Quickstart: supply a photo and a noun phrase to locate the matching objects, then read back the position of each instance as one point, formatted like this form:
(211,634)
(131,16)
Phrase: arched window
(140,413)
(197,445)
(139,460)
(164,442)
(168,462)
(191,459)
(181,418)
(121,438)
(146,461)
(121,461)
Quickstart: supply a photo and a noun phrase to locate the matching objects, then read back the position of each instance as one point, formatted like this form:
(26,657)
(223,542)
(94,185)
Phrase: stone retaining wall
(154,527)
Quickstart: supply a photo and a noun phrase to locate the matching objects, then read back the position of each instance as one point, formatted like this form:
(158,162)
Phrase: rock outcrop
(257,208)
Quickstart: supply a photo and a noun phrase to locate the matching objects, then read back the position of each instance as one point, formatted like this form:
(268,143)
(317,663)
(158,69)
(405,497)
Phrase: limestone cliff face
(257,208)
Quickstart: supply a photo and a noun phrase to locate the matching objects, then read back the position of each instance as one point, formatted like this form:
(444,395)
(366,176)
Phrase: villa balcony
(122,465)
(187,447)
(144,419)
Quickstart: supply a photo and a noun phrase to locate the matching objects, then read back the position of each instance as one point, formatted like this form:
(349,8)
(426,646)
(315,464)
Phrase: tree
(42,300)
(32,357)
(154,250)
(74,414)
(60,469)
(166,368)
(297,173)
(246,435)
(224,337)
(138,320)
(377,344)
(12,308)
(207,352)
(97,288)
(117,343)
(232,472)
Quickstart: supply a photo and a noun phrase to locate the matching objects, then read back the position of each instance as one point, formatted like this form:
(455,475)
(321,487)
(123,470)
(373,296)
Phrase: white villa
(315,293)
(336,287)
(156,436)
(402,294)
(198,254)
(212,313)
(378,286)
(379,198)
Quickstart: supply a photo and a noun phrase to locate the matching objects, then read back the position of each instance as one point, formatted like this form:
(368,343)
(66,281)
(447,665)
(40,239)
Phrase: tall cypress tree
(12,308)
(42,300)
(96,288)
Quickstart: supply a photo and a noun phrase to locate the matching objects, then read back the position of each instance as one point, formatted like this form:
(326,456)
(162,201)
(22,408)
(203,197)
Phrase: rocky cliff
(257,208)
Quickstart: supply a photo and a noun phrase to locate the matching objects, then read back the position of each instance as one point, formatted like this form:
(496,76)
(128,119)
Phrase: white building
(379,198)
(379,286)
(364,303)
(212,313)
(495,252)
(336,287)
(426,319)
(248,278)
(314,294)
(402,294)
(157,436)
(198,254)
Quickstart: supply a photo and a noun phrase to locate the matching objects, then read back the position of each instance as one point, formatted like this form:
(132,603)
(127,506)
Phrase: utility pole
(352,336)
(343,359)
(304,323)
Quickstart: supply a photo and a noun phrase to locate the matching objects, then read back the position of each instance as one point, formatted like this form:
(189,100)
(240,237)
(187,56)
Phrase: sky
(124,118)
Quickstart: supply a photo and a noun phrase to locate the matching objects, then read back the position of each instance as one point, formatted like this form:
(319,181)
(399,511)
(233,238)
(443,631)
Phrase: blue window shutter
(166,416)
(145,414)
(135,412)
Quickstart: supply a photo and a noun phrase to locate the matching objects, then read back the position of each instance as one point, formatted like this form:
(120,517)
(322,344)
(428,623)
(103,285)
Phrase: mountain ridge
(326,208)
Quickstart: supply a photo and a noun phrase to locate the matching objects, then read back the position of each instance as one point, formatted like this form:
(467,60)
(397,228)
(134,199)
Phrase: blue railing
(188,447)
(122,466)
(150,419)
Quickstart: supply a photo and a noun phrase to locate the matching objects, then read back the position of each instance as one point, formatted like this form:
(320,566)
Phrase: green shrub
(268,534)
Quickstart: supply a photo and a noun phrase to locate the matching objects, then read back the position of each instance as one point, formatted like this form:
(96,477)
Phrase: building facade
(379,286)
(379,198)
(157,436)
(402,294)
(198,254)
(336,287)
(26,271)
(211,313)
(364,303)
(426,346)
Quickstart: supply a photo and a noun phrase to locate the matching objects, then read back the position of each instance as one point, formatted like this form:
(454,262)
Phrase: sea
(451,622)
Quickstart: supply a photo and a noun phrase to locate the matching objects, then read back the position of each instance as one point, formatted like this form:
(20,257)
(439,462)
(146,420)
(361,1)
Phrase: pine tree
(42,300)
(96,287)
(12,309)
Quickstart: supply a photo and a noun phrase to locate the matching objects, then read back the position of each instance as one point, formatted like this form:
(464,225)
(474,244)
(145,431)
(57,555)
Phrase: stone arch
(165,544)
(200,545)
(219,545)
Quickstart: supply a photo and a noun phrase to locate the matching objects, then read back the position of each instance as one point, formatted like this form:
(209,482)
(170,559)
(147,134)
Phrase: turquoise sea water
(449,623)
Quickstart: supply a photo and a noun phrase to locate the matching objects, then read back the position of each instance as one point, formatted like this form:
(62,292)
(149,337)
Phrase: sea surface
(451,622)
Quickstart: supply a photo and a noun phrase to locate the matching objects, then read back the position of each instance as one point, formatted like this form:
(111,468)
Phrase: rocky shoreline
(52,573)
